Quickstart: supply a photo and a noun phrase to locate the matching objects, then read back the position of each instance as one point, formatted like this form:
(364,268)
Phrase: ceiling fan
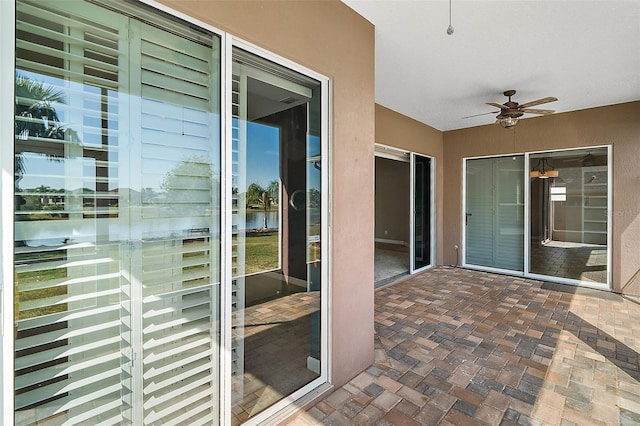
(510,111)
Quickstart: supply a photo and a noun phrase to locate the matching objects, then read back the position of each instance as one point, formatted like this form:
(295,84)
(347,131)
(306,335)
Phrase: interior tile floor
(391,262)
(276,338)
(461,347)
(586,262)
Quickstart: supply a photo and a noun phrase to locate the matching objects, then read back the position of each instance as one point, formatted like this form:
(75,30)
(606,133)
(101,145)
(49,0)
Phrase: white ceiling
(585,53)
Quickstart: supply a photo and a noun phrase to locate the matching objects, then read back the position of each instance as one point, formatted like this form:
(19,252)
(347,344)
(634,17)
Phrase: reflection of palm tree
(274,191)
(35,112)
(256,194)
(37,117)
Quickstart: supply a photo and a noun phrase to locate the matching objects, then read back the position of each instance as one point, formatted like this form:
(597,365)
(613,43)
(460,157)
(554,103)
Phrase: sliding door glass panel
(117,220)
(421,212)
(494,215)
(569,214)
(276,233)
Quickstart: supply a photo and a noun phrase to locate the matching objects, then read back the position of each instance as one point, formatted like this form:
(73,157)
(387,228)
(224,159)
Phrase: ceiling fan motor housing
(512,112)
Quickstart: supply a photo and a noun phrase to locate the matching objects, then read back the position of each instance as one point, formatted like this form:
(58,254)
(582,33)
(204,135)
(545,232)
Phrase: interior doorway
(392,227)
(403,208)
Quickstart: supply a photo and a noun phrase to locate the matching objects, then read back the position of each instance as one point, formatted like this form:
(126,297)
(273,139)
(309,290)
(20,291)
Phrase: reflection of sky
(263,154)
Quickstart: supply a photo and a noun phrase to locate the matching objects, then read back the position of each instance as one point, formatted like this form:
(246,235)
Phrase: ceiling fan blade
(493,104)
(478,115)
(538,111)
(538,102)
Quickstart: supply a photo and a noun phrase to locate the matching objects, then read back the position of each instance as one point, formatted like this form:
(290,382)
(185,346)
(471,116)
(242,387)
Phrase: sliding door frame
(412,214)
(280,409)
(7,76)
(527,220)
(527,253)
(408,157)
(463,219)
(285,406)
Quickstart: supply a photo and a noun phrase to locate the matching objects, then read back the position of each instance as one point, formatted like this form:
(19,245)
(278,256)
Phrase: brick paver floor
(462,347)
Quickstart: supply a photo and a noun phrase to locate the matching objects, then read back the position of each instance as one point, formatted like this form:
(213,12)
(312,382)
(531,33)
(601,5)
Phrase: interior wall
(313,34)
(397,130)
(392,200)
(616,125)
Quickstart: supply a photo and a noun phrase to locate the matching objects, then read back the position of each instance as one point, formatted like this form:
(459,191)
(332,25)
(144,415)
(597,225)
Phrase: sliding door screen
(494,213)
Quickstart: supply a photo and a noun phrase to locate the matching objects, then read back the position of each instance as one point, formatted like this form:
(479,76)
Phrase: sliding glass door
(568,210)
(421,202)
(277,233)
(162,274)
(117,220)
(494,213)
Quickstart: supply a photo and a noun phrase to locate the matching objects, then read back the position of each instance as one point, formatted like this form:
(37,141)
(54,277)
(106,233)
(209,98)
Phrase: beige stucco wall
(397,130)
(617,125)
(331,39)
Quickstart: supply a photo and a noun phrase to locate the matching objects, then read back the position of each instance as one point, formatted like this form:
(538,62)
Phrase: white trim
(579,148)
(568,281)
(325,144)
(412,212)
(432,215)
(433,222)
(286,405)
(463,261)
(226,71)
(527,215)
(183,16)
(7,81)
(494,270)
(462,249)
(268,415)
(391,153)
(286,414)
(280,60)
(609,216)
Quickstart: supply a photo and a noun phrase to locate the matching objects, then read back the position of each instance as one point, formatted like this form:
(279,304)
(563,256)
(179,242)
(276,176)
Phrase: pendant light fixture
(543,170)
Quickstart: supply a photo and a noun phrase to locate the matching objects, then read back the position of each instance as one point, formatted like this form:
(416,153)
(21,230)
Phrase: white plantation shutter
(68,347)
(117,241)
(239,152)
(179,232)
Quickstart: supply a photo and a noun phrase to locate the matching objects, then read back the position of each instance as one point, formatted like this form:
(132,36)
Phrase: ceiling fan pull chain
(450,28)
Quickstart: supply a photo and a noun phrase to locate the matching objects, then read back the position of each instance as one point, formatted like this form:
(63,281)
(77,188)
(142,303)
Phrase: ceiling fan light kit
(508,122)
(511,111)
